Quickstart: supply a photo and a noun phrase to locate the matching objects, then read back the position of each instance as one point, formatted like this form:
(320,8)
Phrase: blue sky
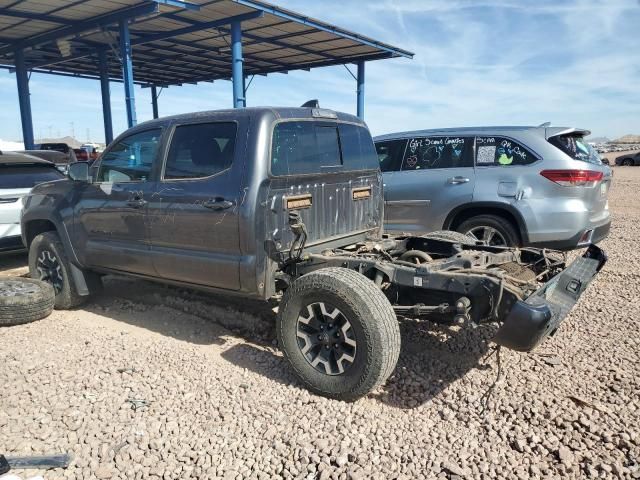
(482,62)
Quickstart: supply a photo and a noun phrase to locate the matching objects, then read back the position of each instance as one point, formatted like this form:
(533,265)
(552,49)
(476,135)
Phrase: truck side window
(201,150)
(438,152)
(499,151)
(390,154)
(130,160)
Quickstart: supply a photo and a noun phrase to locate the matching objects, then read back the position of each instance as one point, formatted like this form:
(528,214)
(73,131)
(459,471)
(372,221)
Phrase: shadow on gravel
(432,356)
(183,314)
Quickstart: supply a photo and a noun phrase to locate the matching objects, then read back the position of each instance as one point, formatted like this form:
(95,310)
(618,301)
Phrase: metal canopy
(174,42)
(159,43)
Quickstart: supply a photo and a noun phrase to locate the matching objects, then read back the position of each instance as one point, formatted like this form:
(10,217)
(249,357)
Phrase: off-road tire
(67,295)
(24,300)
(502,225)
(371,316)
(627,162)
(450,235)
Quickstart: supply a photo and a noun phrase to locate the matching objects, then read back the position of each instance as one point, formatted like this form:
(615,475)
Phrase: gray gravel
(214,398)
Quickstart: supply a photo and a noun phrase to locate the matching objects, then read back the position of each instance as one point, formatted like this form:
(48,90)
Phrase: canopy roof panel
(174,41)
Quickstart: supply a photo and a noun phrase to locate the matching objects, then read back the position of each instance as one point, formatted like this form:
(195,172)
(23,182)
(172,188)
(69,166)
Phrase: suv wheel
(492,230)
(339,333)
(48,262)
(627,162)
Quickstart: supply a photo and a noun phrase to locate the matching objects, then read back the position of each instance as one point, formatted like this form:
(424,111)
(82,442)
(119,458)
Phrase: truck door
(193,214)
(110,213)
(436,176)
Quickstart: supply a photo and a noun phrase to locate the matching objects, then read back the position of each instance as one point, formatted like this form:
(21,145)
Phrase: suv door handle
(457,180)
(218,204)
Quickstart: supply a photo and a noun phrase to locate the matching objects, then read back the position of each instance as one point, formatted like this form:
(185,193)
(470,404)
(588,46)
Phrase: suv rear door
(436,176)
(193,214)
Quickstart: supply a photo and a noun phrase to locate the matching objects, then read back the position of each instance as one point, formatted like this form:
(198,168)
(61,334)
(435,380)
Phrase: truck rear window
(576,147)
(27,176)
(316,147)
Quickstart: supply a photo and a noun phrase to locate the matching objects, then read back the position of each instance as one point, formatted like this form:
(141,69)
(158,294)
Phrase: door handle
(457,180)
(136,203)
(218,204)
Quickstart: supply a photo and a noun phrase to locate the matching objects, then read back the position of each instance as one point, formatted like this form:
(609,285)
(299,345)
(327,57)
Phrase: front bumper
(531,321)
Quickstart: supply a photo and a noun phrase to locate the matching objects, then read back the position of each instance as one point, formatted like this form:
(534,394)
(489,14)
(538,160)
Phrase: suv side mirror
(79,171)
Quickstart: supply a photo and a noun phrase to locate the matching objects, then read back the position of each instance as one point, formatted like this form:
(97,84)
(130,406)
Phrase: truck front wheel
(48,262)
(339,333)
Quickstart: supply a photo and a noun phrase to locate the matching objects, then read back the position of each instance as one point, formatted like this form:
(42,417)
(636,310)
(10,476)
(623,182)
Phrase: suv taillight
(573,178)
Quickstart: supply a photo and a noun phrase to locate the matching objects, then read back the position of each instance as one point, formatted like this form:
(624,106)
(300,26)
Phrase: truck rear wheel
(339,333)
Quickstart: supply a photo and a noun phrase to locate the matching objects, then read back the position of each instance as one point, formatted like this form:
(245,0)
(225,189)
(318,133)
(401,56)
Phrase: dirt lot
(215,399)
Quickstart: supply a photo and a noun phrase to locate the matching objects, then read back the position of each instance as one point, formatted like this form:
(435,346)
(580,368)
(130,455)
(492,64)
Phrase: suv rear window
(314,147)
(27,176)
(576,147)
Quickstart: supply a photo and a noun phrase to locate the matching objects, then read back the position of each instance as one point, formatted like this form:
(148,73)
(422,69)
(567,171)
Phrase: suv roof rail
(311,104)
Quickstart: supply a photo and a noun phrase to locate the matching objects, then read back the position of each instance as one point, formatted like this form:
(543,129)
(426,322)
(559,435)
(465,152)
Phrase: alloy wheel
(326,338)
(50,269)
(488,235)
(13,288)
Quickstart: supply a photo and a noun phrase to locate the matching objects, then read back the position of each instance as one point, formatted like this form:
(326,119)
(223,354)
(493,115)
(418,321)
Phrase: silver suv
(536,186)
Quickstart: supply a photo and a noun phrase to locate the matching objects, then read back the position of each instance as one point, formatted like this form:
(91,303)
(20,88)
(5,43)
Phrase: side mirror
(79,171)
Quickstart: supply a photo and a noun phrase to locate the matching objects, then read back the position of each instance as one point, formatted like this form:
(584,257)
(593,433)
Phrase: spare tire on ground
(24,300)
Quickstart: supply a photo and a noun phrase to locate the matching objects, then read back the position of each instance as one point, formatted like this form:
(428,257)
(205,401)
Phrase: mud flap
(530,321)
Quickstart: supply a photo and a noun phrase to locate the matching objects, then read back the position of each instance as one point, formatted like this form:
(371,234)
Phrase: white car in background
(19,173)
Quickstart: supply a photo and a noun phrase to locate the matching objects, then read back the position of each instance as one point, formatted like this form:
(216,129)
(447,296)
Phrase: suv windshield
(27,176)
(576,147)
(302,147)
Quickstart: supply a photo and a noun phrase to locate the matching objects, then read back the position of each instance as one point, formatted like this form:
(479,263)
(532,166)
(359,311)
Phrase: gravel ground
(214,398)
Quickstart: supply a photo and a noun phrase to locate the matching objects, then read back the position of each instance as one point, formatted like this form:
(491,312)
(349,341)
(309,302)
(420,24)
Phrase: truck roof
(256,112)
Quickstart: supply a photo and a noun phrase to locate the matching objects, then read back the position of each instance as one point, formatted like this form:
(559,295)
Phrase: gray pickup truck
(287,203)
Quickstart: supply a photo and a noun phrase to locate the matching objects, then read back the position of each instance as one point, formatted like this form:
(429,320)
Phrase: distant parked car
(18,174)
(81,154)
(629,160)
(508,186)
(60,159)
(59,147)
(92,151)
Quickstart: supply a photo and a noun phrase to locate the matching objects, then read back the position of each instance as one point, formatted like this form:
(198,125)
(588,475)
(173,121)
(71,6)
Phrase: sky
(477,62)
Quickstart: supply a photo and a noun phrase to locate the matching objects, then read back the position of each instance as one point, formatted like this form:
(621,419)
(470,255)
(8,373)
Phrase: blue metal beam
(106,96)
(22,77)
(68,74)
(168,35)
(360,94)
(35,16)
(127,72)
(154,100)
(236,65)
(279,12)
(82,26)
(197,27)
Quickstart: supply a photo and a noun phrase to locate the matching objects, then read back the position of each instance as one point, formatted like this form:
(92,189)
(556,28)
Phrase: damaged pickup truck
(287,203)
